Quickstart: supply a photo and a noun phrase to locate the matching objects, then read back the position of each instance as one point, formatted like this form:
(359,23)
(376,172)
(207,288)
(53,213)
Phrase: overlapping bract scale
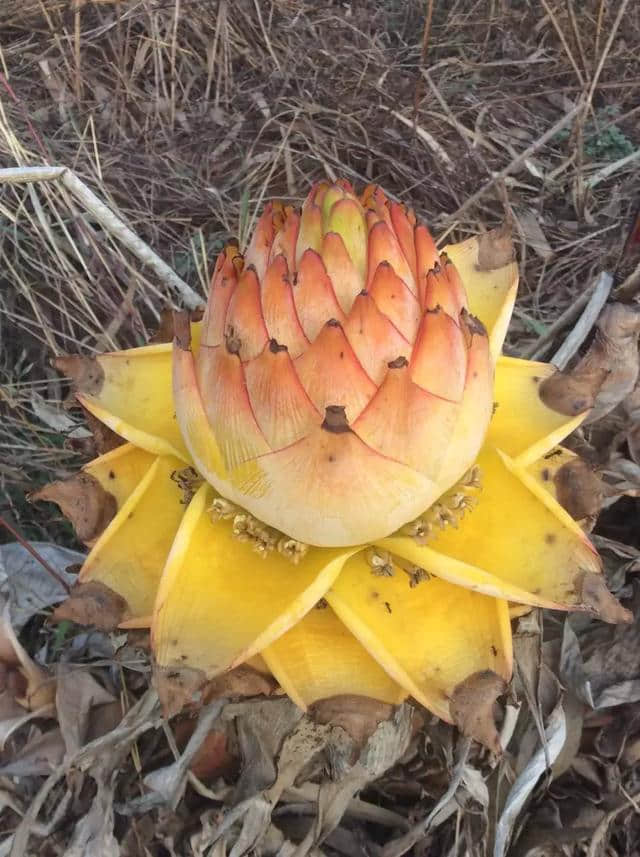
(322,315)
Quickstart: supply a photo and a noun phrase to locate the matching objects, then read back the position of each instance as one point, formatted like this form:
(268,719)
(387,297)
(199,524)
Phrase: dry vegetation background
(184,115)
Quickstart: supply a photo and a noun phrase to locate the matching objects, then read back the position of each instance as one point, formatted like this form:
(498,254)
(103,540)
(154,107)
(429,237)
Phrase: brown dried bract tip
(597,599)
(572,393)
(182,330)
(92,603)
(359,716)
(335,419)
(83,500)
(178,687)
(85,372)
(473,323)
(606,374)
(495,248)
(578,489)
(398,363)
(472,704)
(241,682)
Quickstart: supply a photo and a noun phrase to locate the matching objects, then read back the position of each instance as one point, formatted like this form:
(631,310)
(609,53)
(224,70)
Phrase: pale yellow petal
(522,425)
(134,398)
(120,470)
(429,637)
(219,602)
(130,554)
(319,658)
(517,543)
(490,279)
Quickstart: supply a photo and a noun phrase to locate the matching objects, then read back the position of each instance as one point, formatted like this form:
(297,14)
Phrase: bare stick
(610,169)
(34,553)
(109,222)
(538,348)
(586,321)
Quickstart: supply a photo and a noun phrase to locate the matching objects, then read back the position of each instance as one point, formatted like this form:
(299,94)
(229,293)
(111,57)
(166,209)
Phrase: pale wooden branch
(109,222)
(586,321)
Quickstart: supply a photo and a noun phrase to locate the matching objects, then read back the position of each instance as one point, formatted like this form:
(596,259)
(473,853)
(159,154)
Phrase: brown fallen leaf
(94,604)
(82,500)
(77,693)
(606,374)
(39,757)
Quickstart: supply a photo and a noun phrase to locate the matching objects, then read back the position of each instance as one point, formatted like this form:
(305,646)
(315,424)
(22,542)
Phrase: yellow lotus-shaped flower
(372,485)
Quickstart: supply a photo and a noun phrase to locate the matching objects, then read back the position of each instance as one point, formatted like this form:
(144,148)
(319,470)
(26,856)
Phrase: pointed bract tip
(495,248)
(85,372)
(92,603)
(335,419)
(82,500)
(178,687)
(472,707)
(359,716)
(597,599)
(572,393)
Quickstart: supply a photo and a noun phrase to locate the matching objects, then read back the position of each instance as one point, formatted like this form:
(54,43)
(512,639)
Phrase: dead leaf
(52,415)
(472,705)
(606,374)
(555,735)
(12,720)
(26,584)
(82,500)
(610,674)
(76,694)
(534,236)
(94,604)
(214,757)
(42,755)
(171,780)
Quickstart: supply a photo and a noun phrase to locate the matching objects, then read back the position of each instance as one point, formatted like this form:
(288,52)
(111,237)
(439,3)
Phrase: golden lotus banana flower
(370,484)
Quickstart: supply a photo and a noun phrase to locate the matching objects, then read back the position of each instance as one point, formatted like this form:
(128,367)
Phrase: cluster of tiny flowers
(262,538)
(449,510)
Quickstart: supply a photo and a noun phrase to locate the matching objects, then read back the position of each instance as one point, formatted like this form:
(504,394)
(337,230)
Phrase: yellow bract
(219,603)
(490,276)
(428,637)
(130,554)
(319,658)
